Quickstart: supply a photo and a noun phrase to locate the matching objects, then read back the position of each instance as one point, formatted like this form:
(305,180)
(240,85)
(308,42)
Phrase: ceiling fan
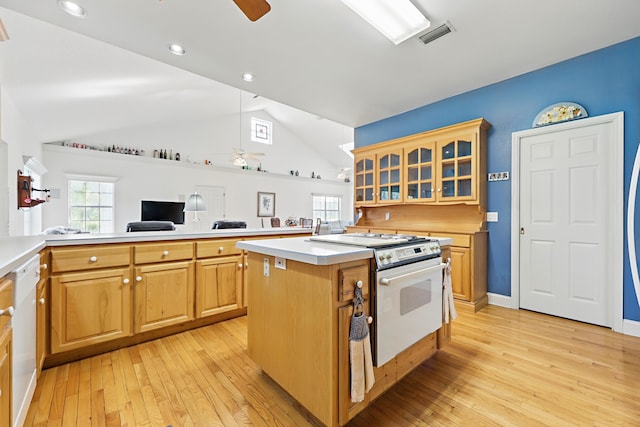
(344,174)
(253,9)
(240,157)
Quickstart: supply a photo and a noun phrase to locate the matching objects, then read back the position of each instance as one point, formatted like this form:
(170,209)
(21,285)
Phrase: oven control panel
(404,254)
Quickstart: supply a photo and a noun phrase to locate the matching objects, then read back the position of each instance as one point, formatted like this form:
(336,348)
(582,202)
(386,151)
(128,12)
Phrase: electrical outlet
(266,267)
(492,216)
(498,176)
(280,263)
(387,215)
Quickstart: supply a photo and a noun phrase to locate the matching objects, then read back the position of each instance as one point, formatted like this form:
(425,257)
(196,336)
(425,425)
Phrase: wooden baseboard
(52,360)
(472,306)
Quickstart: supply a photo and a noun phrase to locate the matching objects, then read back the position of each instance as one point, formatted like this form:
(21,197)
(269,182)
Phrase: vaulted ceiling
(314,55)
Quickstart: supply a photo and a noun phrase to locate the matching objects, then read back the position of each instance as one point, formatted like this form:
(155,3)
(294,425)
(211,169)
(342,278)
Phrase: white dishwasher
(23,323)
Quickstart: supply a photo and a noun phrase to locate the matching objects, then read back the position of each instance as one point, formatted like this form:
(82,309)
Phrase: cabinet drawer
(217,248)
(348,279)
(6,301)
(462,240)
(161,252)
(89,258)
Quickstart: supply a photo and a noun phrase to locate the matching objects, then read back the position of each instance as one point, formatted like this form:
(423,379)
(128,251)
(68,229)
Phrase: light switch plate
(281,263)
(492,216)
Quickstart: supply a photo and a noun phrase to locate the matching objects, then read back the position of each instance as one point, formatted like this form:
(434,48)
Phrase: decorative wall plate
(558,113)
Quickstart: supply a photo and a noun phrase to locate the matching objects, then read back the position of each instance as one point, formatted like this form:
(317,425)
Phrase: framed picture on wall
(266,204)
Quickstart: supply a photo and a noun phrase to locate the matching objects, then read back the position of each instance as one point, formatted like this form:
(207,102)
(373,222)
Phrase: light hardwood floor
(503,368)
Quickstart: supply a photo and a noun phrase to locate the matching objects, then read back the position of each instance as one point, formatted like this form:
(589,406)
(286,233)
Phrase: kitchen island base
(298,333)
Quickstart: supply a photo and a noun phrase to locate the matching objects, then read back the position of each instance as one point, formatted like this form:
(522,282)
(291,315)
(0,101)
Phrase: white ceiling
(314,55)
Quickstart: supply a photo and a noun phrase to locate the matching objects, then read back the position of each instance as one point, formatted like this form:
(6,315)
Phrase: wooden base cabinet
(163,295)
(6,350)
(90,308)
(218,285)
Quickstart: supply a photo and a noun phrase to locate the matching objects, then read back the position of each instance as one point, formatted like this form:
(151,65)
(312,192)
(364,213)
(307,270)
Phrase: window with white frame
(261,131)
(327,207)
(91,204)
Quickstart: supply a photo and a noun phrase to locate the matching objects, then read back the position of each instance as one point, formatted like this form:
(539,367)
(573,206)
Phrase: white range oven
(406,289)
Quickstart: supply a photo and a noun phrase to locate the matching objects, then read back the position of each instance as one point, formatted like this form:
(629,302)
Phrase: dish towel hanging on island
(448,308)
(362,378)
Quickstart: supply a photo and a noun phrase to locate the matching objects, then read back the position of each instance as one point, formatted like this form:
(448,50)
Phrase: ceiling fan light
(397,20)
(239,161)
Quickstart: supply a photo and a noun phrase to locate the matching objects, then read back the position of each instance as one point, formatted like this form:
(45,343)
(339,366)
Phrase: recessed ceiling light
(72,8)
(176,49)
(247,77)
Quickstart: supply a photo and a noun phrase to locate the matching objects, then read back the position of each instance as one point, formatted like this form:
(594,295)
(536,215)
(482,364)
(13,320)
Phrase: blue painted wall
(603,81)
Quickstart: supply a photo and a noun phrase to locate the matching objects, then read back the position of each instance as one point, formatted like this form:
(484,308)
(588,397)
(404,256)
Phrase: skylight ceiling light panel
(397,20)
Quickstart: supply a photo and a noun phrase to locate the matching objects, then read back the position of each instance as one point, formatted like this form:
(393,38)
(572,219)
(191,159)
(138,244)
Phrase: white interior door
(566,211)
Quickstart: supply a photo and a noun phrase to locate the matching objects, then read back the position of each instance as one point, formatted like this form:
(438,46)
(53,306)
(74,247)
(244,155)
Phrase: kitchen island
(300,303)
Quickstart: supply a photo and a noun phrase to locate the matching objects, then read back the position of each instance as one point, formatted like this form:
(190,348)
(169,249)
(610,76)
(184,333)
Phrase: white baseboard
(500,300)
(631,327)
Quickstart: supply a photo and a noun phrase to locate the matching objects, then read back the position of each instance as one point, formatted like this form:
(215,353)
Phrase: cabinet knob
(240,265)
(42,301)
(125,281)
(138,278)
(369,320)
(359,284)
(0,392)
(93,259)
(246,265)
(44,266)
(7,312)
(165,253)
(221,248)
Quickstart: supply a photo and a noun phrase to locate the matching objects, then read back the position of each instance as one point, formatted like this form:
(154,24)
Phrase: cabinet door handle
(138,278)
(42,301)
(125,281)
(369,320)
(165,253)
(240,265)
(93,259)
(44,266)
(221,248)
(8,311)
(359,284)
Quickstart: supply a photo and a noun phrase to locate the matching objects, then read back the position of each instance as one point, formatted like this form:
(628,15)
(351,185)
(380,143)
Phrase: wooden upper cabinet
(364,175)
(420,177)
(389,183)
(442,166)
(457,169)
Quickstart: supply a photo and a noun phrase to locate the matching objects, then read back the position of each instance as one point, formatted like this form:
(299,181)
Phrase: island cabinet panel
(89,257)
(90,308)
(218,285)
(162,252)
(163,295)
(292,330)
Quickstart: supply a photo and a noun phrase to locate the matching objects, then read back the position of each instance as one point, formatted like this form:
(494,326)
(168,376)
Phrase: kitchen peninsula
(300,299)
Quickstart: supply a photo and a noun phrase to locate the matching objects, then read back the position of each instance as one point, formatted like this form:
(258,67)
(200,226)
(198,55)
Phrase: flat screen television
(162,211)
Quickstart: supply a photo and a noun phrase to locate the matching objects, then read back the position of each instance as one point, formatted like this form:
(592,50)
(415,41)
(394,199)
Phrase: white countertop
(14,251)
(312,252)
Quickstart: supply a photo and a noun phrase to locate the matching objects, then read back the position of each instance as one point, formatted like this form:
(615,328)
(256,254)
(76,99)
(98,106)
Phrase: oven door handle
(388,281)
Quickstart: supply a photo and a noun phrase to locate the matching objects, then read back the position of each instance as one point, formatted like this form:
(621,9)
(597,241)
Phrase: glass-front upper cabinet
(457,169)
(364,179)
(420,178)
(389,177)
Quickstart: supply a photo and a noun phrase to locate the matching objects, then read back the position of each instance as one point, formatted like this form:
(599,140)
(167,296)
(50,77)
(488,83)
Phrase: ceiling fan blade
(254,9)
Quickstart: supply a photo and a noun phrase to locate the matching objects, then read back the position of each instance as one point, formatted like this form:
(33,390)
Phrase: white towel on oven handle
(448,307)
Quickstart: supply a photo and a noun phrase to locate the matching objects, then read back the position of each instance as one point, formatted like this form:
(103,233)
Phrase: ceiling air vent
(436,33)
